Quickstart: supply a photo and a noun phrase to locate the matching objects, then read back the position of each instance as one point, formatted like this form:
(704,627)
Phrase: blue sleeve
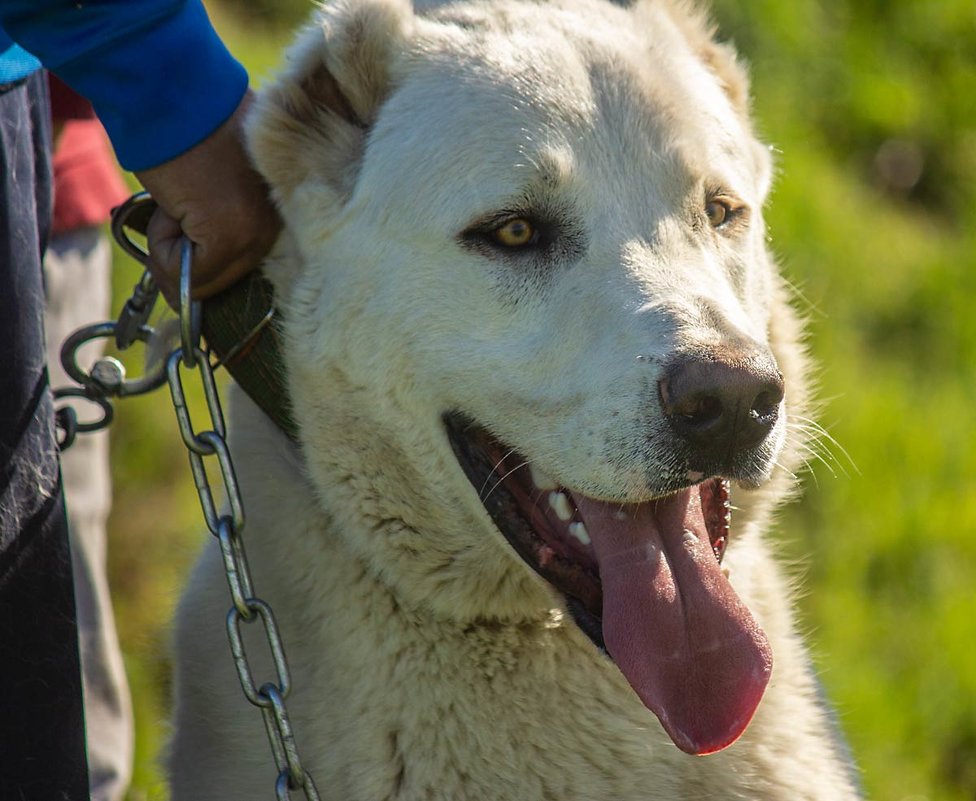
(156,72)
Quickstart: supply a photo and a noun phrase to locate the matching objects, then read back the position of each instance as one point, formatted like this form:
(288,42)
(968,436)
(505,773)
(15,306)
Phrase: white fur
(428,660)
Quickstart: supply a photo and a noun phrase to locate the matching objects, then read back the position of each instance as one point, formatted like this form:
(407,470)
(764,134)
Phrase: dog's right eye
(516,233)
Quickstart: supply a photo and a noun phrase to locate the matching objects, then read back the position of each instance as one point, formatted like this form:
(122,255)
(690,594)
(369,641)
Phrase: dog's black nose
(721,405)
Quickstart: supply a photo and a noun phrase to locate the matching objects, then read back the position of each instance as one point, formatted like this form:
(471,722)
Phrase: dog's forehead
(462,78)
(505,98)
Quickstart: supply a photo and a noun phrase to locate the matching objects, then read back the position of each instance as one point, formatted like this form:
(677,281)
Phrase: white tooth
(560,505)
(579,531)
(540,479)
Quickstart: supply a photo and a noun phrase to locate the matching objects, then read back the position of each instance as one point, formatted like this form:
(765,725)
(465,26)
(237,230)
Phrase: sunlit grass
(889,279)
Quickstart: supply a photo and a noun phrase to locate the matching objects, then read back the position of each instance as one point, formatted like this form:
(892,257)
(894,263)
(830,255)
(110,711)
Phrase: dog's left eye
(516,233)
(718,211)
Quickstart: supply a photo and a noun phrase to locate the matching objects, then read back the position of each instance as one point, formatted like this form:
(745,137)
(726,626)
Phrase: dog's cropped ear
(720,58)
(723,61)
(311,123)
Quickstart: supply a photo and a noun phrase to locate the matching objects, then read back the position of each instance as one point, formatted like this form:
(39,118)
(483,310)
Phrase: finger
(211,270)
(164,237)
(214,271)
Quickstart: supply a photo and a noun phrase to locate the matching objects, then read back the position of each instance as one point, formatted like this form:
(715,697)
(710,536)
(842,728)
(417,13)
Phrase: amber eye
(516,233)
(718,212)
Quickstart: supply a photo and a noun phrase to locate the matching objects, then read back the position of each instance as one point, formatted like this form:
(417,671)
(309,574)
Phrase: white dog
(537,350)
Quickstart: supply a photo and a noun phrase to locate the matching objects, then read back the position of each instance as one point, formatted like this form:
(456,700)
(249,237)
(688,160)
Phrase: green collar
(241,328)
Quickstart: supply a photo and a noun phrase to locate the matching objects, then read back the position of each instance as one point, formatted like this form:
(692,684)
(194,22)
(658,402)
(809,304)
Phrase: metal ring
(141,202)
(306,786)
(235,566)
(284,734)
(81,392)
(71,345)
(128,387)
(190,310)
(245,342)
(65,426)
(273,639)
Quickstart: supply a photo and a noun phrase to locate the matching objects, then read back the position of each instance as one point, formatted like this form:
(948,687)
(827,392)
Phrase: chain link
(247,607)
(107,379)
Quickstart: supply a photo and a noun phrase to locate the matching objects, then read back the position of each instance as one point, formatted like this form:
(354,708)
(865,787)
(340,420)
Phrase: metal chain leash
(107,379)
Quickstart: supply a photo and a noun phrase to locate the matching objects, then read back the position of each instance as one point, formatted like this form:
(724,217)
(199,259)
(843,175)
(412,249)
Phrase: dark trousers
(42,739)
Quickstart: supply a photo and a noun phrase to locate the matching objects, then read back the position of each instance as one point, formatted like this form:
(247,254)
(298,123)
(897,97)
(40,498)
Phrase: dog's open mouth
(643,581)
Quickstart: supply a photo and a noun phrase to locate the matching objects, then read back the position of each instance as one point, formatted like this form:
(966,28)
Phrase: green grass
(886,538)
(889,275)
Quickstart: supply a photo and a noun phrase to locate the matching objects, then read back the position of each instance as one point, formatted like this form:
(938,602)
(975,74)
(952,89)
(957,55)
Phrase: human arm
(172,99)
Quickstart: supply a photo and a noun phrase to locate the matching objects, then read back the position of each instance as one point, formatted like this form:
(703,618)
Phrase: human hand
(213,195)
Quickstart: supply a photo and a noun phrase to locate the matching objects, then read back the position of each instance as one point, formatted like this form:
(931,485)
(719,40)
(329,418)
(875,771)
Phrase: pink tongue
(672,622)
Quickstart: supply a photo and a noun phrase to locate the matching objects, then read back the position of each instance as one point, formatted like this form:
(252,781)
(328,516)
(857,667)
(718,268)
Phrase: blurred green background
(871,107)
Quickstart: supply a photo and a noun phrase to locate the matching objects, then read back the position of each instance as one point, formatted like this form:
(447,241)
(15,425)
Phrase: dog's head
(527,292)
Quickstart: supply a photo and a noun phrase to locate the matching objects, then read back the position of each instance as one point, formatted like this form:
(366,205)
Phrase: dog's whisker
(821,438)
(494,471)
(502,478)
(786,470)
(819,452)
(808,464)
(808,453)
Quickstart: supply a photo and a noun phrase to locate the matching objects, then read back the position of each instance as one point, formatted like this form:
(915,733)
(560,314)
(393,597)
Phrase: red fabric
(87,183)
(66,103)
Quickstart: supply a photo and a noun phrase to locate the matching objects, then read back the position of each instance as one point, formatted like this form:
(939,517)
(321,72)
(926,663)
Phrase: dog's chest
(419,709)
